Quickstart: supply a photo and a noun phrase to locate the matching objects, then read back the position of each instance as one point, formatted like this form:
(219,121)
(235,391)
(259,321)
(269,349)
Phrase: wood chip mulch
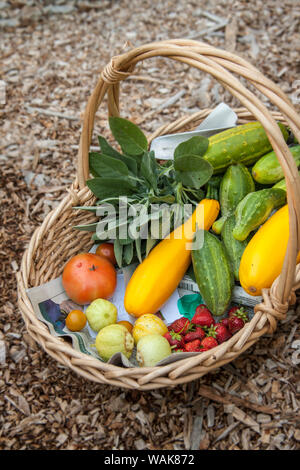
(51,54)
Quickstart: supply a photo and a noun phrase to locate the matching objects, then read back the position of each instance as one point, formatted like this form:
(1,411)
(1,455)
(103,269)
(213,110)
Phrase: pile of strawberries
(202,332)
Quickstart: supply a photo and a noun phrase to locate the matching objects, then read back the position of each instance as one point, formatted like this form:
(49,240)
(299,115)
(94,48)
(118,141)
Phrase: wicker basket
(54,242)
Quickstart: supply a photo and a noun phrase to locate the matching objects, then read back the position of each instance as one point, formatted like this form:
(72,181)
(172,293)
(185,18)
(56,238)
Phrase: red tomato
(106,250)
(87,277)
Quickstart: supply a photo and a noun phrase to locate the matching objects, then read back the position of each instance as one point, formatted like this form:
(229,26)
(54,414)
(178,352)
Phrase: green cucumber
(281,184)
(213,273)
(267,170)
(235,185)
(234,248)
(254,210)
(241,144)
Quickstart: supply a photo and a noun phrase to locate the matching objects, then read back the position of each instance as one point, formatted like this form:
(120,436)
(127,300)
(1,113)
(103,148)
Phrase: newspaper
(50,300)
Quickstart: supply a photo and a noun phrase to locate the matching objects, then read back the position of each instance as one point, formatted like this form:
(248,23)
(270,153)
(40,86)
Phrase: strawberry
(225,321)
(198,333)
(237,318)
(193,346)
(181,325)
(238,312)
(175,339)
(222,333)
(235,324)
(209,342)
(203,316)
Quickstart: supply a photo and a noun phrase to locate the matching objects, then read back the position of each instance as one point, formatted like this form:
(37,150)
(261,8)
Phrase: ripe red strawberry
(209,342)
(225,321)
(193,346)
(203,316)
(235,324)
(175,339)
(239,312)
(181,325)
(198,333)
(222,333)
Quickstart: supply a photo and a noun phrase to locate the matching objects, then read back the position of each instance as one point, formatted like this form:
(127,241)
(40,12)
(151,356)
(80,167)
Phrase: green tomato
(112,339)
(151,349)
(101,313)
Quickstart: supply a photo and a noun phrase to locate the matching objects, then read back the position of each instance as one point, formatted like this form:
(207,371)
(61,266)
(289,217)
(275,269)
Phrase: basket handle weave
(220,64)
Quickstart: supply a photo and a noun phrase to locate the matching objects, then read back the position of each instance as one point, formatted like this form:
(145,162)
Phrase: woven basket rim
(275,300)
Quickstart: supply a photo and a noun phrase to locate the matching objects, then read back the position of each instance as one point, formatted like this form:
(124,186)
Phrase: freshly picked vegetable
(148,324)
(87,277)
(254,210)
(236,183)
(101,313)
(151,349)
(241,144)
(213,273)
(267,170)
(132,182)
(75,320)
(112,339)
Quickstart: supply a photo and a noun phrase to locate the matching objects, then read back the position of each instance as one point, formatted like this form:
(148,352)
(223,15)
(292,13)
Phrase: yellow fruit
(148,324)
(156,278)
(263,257)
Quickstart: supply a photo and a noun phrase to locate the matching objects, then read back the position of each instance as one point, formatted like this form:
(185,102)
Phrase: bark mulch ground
(51,54)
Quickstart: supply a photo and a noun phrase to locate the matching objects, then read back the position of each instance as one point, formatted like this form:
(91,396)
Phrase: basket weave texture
(55,241)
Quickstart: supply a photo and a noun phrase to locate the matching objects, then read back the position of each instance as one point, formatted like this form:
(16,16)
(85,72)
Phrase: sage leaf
(192,171)
(150,243)
(128,253)
(87,227)
(132,140)
(107,149)
(138,249)
(110,187)
(197,145)
(118,251)
(106,166)
(149,169)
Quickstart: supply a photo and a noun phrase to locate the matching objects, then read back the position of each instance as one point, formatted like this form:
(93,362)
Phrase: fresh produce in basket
(106,250)
(267,170)
(156,278)
(138,180)
(235,185)
(87,277)
(75,320)
(254,210)
(148,324)
(263,257)
(113,339)
(101,313)
(213,273)
(234,247)
(151,349)
(242,144)
(203,317)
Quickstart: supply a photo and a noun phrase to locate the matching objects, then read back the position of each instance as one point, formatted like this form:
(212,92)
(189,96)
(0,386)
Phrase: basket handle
(220,64)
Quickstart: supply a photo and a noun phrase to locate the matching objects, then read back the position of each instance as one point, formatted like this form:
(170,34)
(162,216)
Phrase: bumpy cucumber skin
(234,248)
(267,169)
(235,185)
(242,144)
(213,274)
(254,210)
